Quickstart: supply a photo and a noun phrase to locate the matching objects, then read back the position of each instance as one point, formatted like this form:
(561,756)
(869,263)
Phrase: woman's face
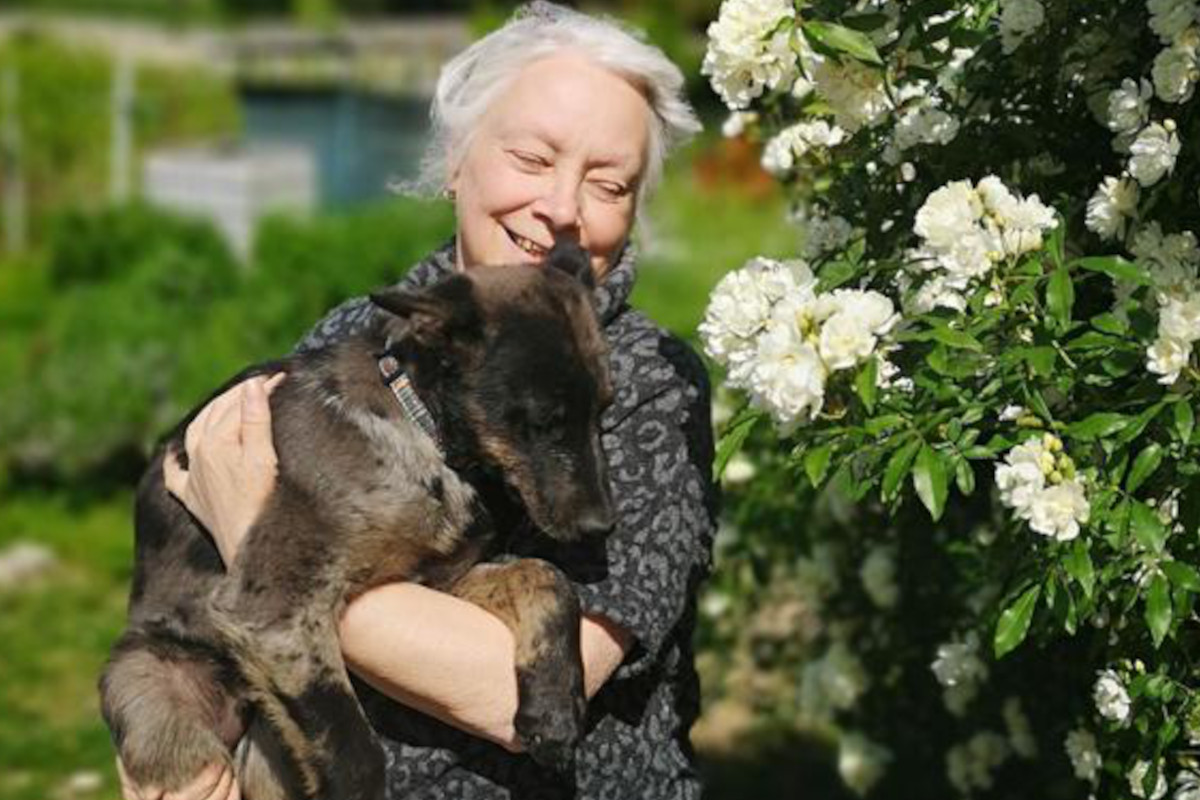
(559,152)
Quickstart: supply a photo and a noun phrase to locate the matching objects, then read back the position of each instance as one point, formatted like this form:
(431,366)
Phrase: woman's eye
(528,159)
(611,190)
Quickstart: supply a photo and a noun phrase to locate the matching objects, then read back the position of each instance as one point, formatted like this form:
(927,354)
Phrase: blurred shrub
(64,117)
(88,247)
(135,316)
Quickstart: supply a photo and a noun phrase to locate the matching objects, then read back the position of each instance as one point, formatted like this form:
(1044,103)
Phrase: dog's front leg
(538,604)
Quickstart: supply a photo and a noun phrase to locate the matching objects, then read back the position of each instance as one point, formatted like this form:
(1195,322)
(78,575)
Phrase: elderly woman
(554,126)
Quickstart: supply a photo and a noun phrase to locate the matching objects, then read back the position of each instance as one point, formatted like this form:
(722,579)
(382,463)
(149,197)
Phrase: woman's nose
(559,207)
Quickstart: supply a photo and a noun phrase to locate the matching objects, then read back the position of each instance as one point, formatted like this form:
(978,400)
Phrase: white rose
(959,664)
(1172,258)
(969,766)
(1153,153)
(1129,106)
(1187,785)
(1024,224)
(922,125)
(948,214)
(1111,207)
(1180,319)
(861,762)
(788,376)
(1175,73)
(845,341)
(878,576)
(1112,701)
(1169,18)
(1018,19)
(1085,757)
(1021,477)
(1020,732)
(823,233)
(737,122)
(1168,358)
(1057,511)
(1137,775)
(997,198)
(872,309)
(744,58)
(854,91)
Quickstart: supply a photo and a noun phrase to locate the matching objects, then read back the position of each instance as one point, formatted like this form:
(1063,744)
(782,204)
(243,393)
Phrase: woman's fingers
(131,790)
(225,422)
(212,783)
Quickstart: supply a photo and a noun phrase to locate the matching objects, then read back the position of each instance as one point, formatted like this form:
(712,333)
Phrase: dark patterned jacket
(644,577)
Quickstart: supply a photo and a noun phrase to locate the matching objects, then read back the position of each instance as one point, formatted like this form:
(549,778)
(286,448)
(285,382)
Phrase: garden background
(116,316)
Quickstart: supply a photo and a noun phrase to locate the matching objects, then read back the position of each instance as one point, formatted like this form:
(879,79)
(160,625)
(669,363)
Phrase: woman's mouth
(531,247)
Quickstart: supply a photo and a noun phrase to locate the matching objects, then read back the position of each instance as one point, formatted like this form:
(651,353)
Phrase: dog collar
(401,385)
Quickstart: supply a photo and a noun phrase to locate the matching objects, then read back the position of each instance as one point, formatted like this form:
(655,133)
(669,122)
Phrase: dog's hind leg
(298,682)
(538,604)
(170,708)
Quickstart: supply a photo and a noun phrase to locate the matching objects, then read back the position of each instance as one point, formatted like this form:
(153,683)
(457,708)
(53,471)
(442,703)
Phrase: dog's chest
(384,488)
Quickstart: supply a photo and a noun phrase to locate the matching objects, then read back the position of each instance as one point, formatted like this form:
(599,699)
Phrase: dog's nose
(596,523)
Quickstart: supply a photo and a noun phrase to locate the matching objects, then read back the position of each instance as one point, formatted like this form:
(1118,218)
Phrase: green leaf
(964,476)
(864,384)
(1038,404)
(1013,624)
(1097,426)
(1138,424)
(1185,420)
(834,274)
(1060,297)
(897,467)
(1040,359)
(929,479)
(735,436)
(877,425)
(816,463)
(1116,267)
(1078,563)
(843,40)
(1110,323)
(1183,576)
(958,339)
(1144,466)
(1158,609)
(1147,527)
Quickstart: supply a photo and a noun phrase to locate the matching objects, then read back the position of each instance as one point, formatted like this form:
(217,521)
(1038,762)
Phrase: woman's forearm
(452,660)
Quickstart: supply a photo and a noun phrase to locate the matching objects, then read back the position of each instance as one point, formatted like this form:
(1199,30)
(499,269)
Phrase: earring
(450,195)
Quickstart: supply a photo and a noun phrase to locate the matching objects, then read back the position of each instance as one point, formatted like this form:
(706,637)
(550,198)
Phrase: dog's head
(515,369)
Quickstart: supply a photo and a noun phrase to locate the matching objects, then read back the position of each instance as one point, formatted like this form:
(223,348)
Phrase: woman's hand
(215,782)
(231,463)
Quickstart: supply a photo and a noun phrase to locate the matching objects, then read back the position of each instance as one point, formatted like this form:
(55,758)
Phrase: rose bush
(984,352)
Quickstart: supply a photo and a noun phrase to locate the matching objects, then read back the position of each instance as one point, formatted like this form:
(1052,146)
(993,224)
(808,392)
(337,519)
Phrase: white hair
(472,80)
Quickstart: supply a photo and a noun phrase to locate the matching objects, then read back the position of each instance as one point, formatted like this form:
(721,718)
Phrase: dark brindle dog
(510,364)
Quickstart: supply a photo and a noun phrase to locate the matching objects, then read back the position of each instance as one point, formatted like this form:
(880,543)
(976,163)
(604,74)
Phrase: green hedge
(134,316)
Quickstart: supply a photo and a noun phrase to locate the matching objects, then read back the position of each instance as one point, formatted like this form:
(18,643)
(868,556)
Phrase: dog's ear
(437,315)
(572,259)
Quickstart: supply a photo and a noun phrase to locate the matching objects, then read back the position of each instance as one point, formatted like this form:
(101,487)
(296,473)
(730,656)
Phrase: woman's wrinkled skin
(559,153)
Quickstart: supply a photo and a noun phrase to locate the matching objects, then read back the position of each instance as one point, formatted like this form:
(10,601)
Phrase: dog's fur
(511,363)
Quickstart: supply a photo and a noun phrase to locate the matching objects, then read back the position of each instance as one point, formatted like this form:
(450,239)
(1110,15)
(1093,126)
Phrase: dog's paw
(550,715)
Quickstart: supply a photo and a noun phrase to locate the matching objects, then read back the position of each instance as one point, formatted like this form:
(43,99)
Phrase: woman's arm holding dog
(452,660)
(431,651)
